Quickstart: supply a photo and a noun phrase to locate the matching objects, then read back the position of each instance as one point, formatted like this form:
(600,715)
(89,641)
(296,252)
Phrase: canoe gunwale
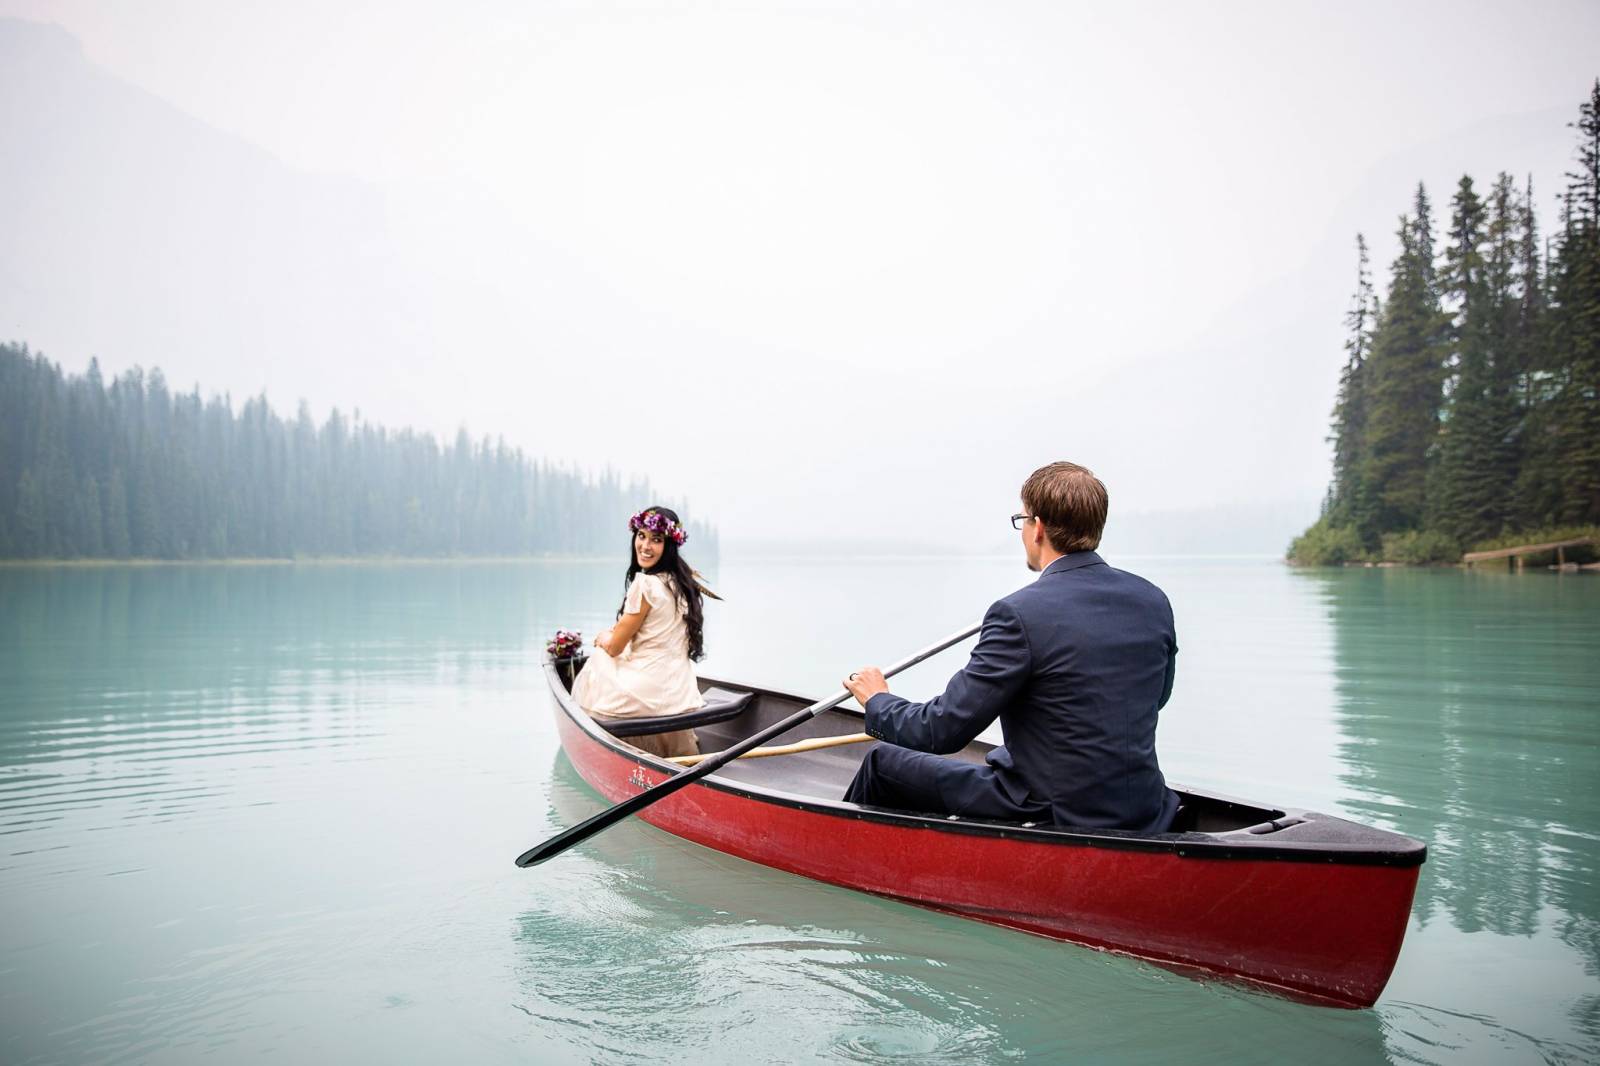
(1233,845)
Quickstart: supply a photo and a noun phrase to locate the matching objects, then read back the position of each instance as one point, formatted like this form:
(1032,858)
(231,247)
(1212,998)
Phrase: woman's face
(647,548)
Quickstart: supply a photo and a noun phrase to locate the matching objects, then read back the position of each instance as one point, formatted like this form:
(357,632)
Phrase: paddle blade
(608,817)
(574,835)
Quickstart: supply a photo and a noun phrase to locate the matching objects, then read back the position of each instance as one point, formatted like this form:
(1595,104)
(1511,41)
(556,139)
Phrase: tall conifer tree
(1575,329)
(1560,478)
(1531,304)
(1349,504)
(1474,468)
(1407,365)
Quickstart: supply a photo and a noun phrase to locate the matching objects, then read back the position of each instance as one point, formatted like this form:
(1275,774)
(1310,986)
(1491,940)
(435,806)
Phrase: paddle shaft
(814,744)
(632,805)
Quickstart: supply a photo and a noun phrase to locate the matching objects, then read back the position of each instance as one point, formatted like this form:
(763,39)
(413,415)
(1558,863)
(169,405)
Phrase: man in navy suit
(1075,666)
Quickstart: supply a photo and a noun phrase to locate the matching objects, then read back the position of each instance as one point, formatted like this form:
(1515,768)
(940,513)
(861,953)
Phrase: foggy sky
(828,271)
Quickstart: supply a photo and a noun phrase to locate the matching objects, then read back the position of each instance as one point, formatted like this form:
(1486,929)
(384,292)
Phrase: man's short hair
(1072,504)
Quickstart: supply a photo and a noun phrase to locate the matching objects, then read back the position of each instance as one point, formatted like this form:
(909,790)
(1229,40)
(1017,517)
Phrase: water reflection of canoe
(1304,904)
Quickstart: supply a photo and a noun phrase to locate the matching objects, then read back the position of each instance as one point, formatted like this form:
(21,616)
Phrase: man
(1075,666)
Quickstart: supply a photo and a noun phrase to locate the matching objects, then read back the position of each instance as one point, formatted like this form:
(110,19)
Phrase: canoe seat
(721,705)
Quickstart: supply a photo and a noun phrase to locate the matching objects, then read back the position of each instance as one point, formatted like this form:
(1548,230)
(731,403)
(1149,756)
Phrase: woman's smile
(647,548)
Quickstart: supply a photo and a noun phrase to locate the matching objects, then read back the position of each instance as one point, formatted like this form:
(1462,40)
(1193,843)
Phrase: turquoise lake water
(269,812)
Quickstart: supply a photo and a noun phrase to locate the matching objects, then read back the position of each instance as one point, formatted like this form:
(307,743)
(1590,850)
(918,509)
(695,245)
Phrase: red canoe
(1299,903)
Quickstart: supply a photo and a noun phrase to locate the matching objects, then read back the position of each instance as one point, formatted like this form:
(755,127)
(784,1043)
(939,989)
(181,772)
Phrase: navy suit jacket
(1075,667)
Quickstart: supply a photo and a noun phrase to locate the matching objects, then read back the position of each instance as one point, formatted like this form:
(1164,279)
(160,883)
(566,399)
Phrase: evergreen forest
(132,470)
(1468,409)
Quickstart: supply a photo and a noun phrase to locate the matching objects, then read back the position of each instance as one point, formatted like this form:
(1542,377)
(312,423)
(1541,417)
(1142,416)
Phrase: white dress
(653,675)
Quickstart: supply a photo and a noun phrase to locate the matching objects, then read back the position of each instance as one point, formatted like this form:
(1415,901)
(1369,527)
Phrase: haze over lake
(835,261)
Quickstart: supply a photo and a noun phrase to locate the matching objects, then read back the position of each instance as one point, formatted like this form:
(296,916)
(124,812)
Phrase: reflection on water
(1468,709)
(271,811)
(671,947)
(646,942)
(213,782)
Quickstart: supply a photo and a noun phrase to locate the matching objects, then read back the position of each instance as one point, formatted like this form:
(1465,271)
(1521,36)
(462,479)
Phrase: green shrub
(1325,545)
(1420,547)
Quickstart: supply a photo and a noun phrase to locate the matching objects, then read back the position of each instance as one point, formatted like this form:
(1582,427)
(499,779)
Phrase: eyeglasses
(1018,519)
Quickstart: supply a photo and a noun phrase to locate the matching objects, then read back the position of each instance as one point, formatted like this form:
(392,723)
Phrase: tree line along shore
(133,471)
(1468,410)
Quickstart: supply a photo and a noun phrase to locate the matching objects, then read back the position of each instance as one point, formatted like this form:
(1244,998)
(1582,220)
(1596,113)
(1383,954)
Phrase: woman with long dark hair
(649,654)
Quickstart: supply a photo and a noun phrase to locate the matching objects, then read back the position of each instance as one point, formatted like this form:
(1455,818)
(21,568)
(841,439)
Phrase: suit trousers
(907,780)
(666,745)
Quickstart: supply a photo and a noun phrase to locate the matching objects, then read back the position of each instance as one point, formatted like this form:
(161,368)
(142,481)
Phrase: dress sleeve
(647,588)
(636,592)
(656,591)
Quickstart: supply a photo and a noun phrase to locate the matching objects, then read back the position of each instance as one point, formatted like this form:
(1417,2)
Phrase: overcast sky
(868,264)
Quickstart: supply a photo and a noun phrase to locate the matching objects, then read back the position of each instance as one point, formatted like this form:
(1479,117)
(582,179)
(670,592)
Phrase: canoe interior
(821,777)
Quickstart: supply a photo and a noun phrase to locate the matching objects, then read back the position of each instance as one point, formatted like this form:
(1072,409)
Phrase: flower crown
(656,522)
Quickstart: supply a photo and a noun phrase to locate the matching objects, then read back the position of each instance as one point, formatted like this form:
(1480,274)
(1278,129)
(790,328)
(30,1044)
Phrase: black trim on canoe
(1322,838)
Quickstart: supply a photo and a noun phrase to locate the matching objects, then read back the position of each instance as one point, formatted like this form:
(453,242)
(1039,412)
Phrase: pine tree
(1475,464)
(1348,502)
(1559,482)
(118,546)
(1575,330)
(1407,372)
(1537,493)
(29,521)
(1531,304)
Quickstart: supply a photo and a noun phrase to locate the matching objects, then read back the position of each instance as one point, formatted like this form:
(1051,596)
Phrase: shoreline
(305,560)
(481,560)
(1567,568)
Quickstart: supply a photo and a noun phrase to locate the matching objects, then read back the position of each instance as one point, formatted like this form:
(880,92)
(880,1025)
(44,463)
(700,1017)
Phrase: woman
(648,663)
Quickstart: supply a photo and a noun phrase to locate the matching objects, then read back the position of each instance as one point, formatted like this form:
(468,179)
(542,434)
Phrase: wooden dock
(1518,555)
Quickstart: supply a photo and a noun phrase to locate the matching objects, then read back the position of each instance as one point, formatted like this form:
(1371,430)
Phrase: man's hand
(866,683)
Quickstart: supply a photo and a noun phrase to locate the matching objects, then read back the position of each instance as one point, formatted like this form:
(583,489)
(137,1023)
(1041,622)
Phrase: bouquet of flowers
(566,644)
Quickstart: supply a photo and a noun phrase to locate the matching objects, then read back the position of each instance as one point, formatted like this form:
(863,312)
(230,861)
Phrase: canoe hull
(1321,932)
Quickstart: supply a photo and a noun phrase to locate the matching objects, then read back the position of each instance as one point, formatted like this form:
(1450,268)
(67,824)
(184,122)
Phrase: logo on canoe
(638,780)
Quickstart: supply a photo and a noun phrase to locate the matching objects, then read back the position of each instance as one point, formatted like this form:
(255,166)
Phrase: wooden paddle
(612,815)
(782,749)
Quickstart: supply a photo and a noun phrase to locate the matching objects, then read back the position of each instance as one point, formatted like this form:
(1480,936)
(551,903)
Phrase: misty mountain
(139,234)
